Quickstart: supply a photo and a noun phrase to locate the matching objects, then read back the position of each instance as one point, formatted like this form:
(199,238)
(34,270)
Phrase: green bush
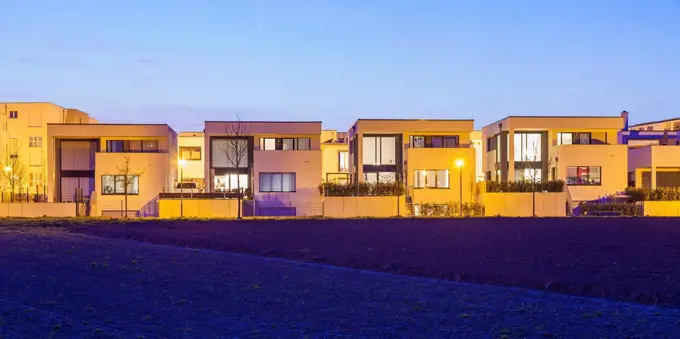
(329,189)
(524,186)
(450,209)
(658,194)
(626,208)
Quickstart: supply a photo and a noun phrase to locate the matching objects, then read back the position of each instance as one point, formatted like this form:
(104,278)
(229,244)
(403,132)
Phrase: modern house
(277,164)
(192,158)
(477,142)
(433,158)
(335,157)
(582,151)
(22,135)
(100,163)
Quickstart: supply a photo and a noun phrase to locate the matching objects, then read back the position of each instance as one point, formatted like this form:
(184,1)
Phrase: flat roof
(111,124)
(262,122)
(654,122)
(556,117)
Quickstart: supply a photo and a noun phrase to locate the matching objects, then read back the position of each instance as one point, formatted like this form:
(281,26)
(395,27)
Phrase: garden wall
(198,208)
(520,204)
(661,208)
(37,210)
(356,207)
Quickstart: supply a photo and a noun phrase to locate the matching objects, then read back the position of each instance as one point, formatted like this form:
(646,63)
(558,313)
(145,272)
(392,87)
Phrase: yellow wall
(194,169)
(198,208)
(329,158)
(520,204)
(155,168)
(37,210)
(357,207)
(438,159)
(612,159)
(662,208)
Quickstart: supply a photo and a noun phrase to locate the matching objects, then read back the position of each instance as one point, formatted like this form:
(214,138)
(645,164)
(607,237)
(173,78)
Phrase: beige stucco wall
(662,208)
(521,204)
(358,207)
(307,168)
(198,208)
(330,162)
(155,169)
(37,210)
(439,159)
(612,159)
(194,169)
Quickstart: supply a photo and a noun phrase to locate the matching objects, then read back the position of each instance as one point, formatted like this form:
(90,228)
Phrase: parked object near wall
(37,210)
(520,204)
(198,208)
(366,206)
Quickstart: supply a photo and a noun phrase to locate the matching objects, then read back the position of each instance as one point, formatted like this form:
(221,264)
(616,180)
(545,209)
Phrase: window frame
(271,177)
(579,179)
(278,144)
(428,141)
(575,138)
(343,156)
(128,143)
(192,151)
(436,178)
(35,141)
(14,114)
(378,149)
(115,180)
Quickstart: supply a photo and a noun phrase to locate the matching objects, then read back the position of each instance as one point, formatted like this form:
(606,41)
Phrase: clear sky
(183,62)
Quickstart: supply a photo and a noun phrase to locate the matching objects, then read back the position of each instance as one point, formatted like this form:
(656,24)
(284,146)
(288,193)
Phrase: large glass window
(584,175)
(115,184)
(229,153)
(277,182)
(528,174)
(374,177)
(431,179)
(343,161)
(379,150)
(231,182)
(190,153)
(527,147)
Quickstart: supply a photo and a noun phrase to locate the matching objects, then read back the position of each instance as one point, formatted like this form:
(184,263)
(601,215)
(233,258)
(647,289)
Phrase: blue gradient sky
(183,62)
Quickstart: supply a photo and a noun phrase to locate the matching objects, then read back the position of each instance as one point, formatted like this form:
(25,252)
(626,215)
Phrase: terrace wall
(520,204)
(357,207)
(661,208)
(37,210)
(198,208)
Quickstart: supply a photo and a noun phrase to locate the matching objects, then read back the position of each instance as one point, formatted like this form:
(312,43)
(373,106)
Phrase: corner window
(190,153)
(277,182)
(580,138)
(584,175)
(431,179)
(13,114)
(117,184)
(35,141)
(527,147)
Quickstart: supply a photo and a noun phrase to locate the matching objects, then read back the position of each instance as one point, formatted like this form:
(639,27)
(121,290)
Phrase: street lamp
(460,163)
(182,163)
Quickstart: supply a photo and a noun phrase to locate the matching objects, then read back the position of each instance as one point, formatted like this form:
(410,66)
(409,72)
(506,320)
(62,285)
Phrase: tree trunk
(533,200)
(125,204)
(238,197)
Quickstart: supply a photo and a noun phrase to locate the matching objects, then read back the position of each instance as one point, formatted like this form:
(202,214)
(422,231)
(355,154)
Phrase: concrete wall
(307,168)
(37,210)
(612,159)
(198,208)
(155,168)
(520,204)
(662,208)
(357,207)
(437,159)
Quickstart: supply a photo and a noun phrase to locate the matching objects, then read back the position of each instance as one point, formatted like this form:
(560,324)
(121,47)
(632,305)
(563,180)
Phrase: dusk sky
(183,62)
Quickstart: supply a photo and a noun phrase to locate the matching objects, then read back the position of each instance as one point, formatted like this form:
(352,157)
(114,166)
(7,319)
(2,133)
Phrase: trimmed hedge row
(329,189)
(658,194)
(524,186)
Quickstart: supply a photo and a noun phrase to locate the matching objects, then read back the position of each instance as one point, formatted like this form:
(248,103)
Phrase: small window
(13,114)
(431,179)
(35,141)
(417,142)
(287,144)
(277,182)
(303,143)
(451,142)
(115,146)
(35,179)
(491,144)
(115,184)
(150,146)
(343,161)
(384,177)
(676,126)
(190,153)
(584,175)
(268,144)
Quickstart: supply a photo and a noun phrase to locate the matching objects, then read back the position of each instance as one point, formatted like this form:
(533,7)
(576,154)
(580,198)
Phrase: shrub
(330,189)
(658,194)
(450,209)
(626,208)
(524,186)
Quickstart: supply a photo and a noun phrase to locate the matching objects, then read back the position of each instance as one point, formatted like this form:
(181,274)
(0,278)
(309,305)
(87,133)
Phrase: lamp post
(182,163)
(460,163)
(8,169)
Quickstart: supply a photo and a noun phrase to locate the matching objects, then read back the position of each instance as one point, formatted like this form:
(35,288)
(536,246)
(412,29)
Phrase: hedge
(450,209)
(658,194)
(329,189)
(524,186)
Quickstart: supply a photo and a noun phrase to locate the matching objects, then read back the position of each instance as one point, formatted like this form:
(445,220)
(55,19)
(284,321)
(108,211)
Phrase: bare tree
(533,168)
(129,177)
(235,150)
(14,171)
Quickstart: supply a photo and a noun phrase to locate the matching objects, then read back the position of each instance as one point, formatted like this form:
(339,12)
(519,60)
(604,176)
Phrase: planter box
(520,204)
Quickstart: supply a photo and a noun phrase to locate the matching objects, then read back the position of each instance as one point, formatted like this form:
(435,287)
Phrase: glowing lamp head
(182,162)
(459,163)
(8,169)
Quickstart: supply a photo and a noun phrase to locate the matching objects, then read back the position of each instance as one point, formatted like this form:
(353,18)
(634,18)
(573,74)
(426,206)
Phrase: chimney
(624,115)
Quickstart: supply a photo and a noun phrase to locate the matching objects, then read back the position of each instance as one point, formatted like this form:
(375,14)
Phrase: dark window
(284,144)
(115,185)
(120,146)
(491,144)
(584,175)
(277,182)
(190,153)
(149,145)
(13,114)
(115,146)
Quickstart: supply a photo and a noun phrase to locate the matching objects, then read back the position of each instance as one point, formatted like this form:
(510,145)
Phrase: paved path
(59,285)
